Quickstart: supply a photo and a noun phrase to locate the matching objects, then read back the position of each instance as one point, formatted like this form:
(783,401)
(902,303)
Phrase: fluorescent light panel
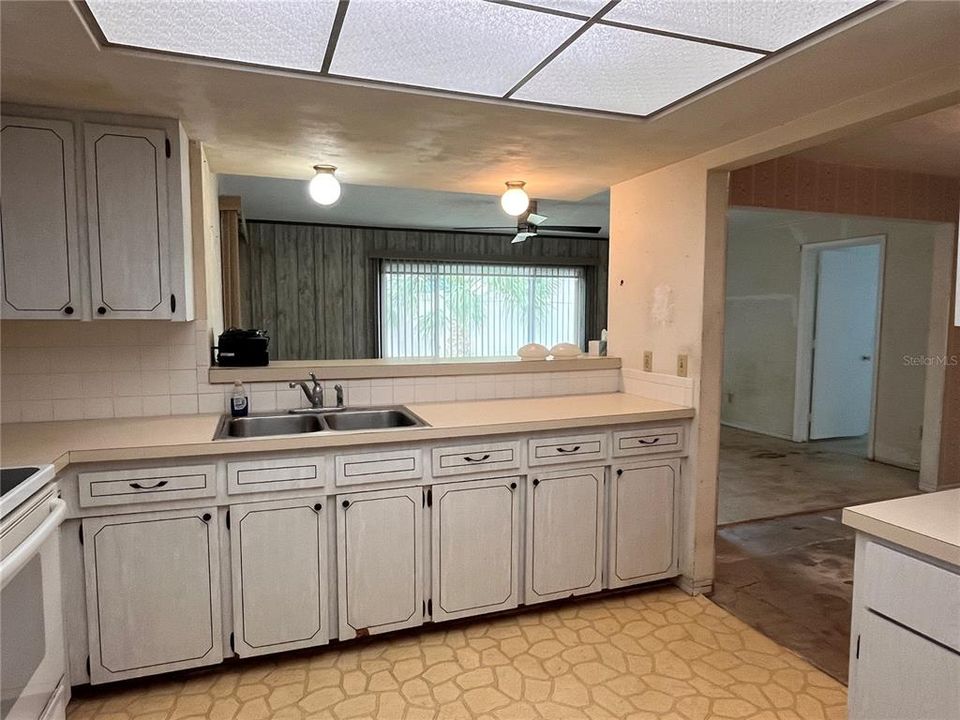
(467,46)
(761,24)
(487,48)
(280,33)
(623,71)
(584,8)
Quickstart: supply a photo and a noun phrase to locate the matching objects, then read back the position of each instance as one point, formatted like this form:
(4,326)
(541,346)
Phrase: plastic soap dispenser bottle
(239,405)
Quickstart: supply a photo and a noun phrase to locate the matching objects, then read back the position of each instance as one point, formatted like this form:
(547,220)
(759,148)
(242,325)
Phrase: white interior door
(845,339)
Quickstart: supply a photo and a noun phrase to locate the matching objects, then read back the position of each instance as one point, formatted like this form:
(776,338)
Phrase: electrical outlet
(647,361)
(682,365)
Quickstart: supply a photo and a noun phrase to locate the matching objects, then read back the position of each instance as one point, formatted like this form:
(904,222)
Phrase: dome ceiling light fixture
(324,188)
(515,200)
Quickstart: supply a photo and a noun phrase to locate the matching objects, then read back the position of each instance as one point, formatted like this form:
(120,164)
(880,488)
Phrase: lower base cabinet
(564,552)
(901,674)
(475,547)
(279,571)
(643,522)
(379,561)
(153,592)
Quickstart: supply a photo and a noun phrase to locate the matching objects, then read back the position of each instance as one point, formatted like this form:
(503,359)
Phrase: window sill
(285,370)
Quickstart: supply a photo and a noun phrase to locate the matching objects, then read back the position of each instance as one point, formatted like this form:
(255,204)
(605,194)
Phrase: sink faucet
(313,394)
(339,388)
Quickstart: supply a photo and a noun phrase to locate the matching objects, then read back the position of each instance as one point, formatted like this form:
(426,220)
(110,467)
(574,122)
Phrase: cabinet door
(564,534)
(476,546)
(153,593)
(279,558)
(379,558)
(642,535)
(128,221)
(899,674)
(38,220)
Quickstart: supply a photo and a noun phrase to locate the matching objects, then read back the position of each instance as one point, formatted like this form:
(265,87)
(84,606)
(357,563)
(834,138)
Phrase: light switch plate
(647,361)
(682,365)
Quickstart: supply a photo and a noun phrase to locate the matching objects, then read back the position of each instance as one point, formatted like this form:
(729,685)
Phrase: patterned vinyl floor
(643,655)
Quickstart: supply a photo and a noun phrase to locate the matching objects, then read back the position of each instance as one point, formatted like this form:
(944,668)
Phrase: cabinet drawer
(647,441)
(920,595)
(464,459)
(379,467)
(281,474)
(119,487)
(552,450)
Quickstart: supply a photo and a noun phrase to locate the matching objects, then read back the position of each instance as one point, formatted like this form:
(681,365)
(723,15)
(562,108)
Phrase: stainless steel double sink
(304,422)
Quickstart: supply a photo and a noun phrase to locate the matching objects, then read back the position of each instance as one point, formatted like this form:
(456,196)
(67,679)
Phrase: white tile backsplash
(70,371)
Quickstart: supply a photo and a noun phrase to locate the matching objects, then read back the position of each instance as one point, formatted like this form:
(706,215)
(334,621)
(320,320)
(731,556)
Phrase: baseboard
(758,431)
(694,587)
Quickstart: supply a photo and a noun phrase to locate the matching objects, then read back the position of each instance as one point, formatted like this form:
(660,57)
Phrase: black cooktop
(11,477)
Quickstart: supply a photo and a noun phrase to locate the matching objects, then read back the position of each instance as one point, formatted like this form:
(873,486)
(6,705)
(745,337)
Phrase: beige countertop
(79,441)
(928,524)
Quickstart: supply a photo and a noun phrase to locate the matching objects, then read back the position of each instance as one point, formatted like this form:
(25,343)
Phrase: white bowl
(565,351)
(533,351)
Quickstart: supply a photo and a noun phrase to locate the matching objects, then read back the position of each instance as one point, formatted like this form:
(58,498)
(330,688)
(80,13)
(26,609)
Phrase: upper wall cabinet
(95,217)
(38,219)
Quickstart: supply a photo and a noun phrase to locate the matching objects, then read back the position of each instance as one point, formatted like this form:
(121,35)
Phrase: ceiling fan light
(324,188)
(515,200)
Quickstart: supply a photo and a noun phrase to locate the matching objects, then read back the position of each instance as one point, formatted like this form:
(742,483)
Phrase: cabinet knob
(346,503)
(619,472)
(536,482)
(513,486)
(101,310)
(68,310)
(318,507)
(207,517)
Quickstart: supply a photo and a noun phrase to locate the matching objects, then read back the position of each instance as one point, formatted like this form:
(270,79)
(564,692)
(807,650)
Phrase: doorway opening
(838,282)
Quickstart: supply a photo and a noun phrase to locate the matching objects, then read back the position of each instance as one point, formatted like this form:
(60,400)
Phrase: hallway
(784,561)
(764,477)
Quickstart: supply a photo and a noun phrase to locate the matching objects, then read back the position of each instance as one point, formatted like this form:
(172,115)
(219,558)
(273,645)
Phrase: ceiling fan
(529,223)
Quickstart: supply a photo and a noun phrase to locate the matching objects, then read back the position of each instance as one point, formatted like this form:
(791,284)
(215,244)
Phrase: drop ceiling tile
(465,46)
(761,24)
(280,33)
(587,8)
(625,71)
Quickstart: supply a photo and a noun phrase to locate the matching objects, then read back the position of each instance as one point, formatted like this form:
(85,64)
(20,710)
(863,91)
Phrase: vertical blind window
(448,309)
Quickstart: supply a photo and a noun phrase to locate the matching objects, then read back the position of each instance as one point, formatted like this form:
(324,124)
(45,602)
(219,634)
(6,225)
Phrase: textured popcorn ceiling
(553,52)
(259,121)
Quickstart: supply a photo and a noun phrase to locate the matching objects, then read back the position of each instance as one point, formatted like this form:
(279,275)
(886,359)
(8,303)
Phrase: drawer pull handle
(649,442)
(513,486)
(479,459)
(536,481)
(138,486)
(571,450)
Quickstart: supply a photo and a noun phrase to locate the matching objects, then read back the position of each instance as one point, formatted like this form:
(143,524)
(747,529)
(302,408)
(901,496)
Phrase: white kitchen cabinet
(127,221)
(643,521)
(98,206)
(379,561)
(564,552)
(153,592)
(279,561)
(901,674)
(475,547)
(39,242)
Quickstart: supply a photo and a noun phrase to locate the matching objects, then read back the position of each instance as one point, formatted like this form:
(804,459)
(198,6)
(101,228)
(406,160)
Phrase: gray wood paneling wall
(313,288)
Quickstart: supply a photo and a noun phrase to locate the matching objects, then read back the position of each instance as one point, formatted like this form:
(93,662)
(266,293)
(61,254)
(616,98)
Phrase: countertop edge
(903,536)
(353,439)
